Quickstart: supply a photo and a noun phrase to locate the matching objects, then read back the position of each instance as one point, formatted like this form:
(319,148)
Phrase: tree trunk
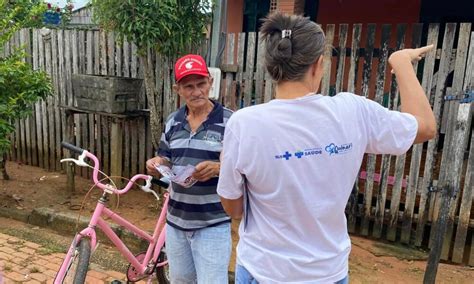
(3,169)
(152,97)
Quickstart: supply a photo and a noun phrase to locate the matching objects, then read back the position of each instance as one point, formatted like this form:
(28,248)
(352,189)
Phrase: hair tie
(286,34)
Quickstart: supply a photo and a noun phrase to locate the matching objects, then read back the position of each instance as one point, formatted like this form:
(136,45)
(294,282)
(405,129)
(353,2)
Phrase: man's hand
(206,170)
(152,163)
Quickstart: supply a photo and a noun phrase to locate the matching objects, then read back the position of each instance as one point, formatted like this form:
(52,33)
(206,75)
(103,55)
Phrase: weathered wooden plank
(103,52)
(97,53)
(468,193)
(369,182)
(83,118)
(81,49)
(379,91)
(20,124)
(229,76)
(62,92)
(126,59)
(34,60)
(427,79)
(70,167)
(50,102)
(414,163)
(126,149)
(78,119)
(369,52)
(269,87)
(149,149)
(249,69)
(458,131)
(352,205)
(240,63)
(25,42)
(141,146)
(44,117)
(69,101)
(116,151)
(56,99)
(159,79)
(260,71)
(89,52)
(393,213)
(355,54)
(465,210)
(106,144)
(97,118)
(341,58)
(446,53)
(134,61)
(326,81)
(38,106)
(111,53)
(90,70)
(24,126)
(118,58)
(134,147)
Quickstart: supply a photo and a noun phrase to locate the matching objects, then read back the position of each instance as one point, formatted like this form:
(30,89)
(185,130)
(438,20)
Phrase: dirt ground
(370,261)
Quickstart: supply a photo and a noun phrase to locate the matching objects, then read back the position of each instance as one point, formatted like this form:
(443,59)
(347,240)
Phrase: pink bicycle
(76,262)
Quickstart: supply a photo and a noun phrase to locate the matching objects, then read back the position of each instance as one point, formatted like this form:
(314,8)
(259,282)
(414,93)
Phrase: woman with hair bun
(288,166)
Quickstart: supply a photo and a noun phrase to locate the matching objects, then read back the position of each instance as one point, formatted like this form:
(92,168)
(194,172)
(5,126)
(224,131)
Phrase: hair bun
(284,49)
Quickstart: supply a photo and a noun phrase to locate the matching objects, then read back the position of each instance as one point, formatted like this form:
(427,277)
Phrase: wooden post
(116,161)
(447,195)
(70,138)
(216,31)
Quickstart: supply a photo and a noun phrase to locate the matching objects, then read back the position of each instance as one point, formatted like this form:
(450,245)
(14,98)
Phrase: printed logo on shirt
(285,156)
(300,154)
(308,152)
(213,137)
(338,149)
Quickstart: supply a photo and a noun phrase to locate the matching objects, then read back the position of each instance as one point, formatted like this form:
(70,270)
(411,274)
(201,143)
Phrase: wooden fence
(395,198)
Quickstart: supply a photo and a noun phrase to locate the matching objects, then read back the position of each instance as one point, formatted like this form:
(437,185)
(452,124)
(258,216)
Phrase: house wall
(368,11)
(286,6)
(82,16)
(235,18)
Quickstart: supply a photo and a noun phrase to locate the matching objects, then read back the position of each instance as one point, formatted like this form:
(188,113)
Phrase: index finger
(425,49)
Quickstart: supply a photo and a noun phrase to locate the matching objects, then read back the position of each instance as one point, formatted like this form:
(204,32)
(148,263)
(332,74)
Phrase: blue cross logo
(287,156)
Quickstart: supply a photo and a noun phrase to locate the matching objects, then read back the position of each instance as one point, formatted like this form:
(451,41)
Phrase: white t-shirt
(301,158)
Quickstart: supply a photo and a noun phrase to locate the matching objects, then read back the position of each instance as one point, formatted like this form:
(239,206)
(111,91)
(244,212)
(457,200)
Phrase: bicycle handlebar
(107,187)
(71,147)
(160,182)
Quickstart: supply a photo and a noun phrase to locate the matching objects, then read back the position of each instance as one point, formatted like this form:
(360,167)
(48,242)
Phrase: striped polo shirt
(198,206)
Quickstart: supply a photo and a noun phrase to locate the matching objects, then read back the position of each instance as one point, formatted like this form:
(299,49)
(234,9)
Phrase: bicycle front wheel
(162,272)
(77,270)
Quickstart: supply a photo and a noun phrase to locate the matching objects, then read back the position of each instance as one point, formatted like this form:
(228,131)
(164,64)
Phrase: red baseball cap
(188,65)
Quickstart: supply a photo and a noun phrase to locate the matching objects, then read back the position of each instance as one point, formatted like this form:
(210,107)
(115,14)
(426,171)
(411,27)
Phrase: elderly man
(198,238)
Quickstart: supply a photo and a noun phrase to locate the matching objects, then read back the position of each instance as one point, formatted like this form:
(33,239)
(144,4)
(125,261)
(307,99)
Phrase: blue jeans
(201,256)
(242,276)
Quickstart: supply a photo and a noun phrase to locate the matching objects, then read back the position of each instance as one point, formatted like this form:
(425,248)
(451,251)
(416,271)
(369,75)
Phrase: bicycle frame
(156,240)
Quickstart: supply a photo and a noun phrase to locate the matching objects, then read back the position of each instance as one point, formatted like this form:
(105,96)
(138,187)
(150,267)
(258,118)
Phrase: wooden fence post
(116,161)
(447,195)
(70,168)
